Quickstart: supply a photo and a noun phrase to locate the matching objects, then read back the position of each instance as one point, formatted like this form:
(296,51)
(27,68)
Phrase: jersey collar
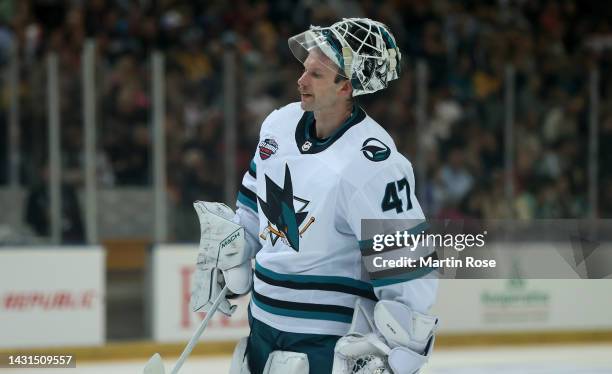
(305,137)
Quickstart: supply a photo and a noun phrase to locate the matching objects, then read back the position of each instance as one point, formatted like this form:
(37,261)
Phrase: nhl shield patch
(267,148)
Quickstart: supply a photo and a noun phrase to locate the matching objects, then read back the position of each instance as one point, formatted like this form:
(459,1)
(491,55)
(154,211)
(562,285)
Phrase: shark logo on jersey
(284,220)
(375,150)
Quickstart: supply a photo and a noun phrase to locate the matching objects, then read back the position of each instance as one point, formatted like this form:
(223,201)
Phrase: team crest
(375,150)
(267,148)
(285,212)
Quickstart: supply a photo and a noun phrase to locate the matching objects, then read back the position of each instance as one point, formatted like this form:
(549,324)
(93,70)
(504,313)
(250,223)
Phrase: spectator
(38,211)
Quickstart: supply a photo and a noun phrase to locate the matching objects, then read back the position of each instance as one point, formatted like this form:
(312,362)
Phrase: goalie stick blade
(154,365)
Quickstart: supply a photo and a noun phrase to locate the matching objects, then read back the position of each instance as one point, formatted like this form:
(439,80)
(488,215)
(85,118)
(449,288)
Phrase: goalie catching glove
(222,258)
(393,339)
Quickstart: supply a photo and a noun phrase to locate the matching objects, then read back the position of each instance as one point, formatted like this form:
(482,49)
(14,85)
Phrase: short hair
(339,78)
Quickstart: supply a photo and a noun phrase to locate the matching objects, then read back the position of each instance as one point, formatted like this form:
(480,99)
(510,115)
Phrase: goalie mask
(363,51)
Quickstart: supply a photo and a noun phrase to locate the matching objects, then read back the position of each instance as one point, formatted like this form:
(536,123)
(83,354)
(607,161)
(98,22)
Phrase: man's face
(316,85)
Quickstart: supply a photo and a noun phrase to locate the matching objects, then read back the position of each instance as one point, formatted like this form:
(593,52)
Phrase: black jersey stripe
(248,193)
(309,307)
(369,294)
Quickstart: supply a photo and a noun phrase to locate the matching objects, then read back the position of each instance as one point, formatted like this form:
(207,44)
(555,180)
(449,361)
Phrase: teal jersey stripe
(253,166)
(326,316)
(367,244)
(246,201)
(402,278)
(304,278)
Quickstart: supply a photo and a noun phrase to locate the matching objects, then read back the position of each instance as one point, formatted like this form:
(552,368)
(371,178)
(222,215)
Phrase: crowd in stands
(467,47)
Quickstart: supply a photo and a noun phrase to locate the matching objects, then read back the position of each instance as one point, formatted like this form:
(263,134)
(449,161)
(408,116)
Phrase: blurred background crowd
(553,47)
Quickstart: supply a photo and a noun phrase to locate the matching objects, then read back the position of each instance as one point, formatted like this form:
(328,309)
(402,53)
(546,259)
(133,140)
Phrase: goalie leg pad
(240,363)
(285,362)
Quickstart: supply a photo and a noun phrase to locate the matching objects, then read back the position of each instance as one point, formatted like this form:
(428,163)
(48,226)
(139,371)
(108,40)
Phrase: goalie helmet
(362,50)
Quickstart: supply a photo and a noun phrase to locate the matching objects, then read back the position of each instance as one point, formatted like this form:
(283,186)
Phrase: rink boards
(52,296)
(464,306)
(55,296)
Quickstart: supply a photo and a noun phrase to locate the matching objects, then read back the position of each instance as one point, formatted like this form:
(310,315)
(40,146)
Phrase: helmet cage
(359,49)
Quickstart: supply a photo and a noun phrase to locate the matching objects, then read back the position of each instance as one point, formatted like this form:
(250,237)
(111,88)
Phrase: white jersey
(302,202)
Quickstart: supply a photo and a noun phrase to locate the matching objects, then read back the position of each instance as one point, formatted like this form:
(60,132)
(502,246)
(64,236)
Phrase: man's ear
(346,89)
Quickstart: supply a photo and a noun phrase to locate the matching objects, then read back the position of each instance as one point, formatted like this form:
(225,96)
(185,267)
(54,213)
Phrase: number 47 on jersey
(392,199)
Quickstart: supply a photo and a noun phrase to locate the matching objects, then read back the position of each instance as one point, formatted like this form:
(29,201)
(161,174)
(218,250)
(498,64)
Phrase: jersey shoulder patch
(372,152)
(375,144)
(375,150)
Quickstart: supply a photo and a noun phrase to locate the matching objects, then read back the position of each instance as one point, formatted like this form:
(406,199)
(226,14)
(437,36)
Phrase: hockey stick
(155,364)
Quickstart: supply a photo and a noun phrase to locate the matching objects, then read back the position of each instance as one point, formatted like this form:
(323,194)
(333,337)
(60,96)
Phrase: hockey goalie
(296,242)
